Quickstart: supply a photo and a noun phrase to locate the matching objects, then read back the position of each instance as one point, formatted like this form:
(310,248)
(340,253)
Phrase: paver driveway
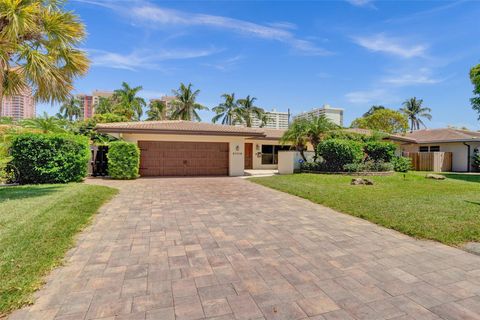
(192,248)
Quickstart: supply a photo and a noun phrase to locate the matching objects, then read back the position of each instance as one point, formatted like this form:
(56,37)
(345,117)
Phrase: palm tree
(373,109)
(249,111)
(186,107)
(228,110)
(127,102)
(45,123)
(316,128)
(156,110)
(414,110)
(39,49)
(296,135)
(71,109)
(104,105)
(264,119)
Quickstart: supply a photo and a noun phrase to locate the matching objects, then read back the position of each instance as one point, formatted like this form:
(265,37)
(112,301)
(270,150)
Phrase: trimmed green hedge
(380,151)
(338,152)
(123,160)
(50,158)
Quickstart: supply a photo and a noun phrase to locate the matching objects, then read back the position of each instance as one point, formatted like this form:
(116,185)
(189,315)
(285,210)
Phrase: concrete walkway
(225,248)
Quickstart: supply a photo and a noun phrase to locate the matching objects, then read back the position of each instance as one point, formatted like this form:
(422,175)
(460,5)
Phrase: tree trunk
(2,69)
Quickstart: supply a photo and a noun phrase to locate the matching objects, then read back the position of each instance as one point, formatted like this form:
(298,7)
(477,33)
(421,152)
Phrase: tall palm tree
(156,110)
(249,110)
(414,110)
(227,110)
(128,103)
(71,109)
(185,105)
(316,128)
(45,123)
(39,49)
(104,105)
(264,119)
(296,135)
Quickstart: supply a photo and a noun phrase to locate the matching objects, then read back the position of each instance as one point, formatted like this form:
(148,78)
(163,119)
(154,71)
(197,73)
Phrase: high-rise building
(276,120)
(18,107)
(334,114)
(169,105)
(89,102)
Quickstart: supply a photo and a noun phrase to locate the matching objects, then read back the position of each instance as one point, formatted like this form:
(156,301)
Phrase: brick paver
(225,248)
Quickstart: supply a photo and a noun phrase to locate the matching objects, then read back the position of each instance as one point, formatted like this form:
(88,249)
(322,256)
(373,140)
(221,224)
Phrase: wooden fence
(431,161)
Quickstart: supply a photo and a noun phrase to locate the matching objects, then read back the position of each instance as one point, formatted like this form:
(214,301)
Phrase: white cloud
(411,79)
(225,64)
(360,3)
(380,96)
(143,59)
(155,16)
(382,43)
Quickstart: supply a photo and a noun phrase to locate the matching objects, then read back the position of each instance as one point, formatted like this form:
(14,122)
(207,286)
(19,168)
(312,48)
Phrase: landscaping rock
(361,181)
(435,176)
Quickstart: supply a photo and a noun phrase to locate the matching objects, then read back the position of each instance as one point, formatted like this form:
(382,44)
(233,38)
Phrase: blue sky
(296,55)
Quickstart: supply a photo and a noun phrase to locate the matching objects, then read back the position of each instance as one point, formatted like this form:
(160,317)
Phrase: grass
(447,211)
(37,225)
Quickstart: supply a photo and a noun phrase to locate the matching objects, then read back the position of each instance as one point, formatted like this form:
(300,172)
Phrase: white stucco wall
(236,146)
(257,153)
(458,150)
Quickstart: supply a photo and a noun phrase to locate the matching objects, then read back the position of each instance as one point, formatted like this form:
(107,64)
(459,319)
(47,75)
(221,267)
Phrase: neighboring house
(179,148)
(334,114)
(20,106)
(461,143)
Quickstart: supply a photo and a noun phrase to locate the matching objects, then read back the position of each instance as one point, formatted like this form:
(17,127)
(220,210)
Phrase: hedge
(380,151)
(123,160)
(50,158)
(336,153)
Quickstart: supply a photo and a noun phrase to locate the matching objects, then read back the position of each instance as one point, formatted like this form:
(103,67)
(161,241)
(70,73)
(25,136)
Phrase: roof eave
(185,132)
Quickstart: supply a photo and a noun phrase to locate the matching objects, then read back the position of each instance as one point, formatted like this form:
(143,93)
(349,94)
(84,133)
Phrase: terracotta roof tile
(178,127)
(443,135)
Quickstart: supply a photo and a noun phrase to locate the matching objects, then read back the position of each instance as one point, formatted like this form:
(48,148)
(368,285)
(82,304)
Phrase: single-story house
(461,143)
(185,148)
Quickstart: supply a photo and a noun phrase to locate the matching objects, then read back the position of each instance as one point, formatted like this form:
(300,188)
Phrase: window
(423,149)
(429,149)
(434,148)
(270,153)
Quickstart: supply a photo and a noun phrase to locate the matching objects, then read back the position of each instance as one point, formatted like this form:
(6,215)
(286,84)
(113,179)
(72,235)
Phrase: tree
(71,109)
(39,49)
(156,110)
(264,119)
(384,120)
(185,105)
(228,110)
(372,110)
(414,110)
(127,103)
(248,110)
(316,128)
(296,135)
(475,78)
(105,105)
(45,124)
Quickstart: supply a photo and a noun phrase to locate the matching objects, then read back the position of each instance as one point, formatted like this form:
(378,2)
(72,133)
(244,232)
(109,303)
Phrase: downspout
(468,155)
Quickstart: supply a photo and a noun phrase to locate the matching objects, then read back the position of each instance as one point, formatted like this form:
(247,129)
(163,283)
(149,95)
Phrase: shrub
(369,166)
(380,151)
(311,166)
(123,160)
(338,152)
(402,164)
(49,158)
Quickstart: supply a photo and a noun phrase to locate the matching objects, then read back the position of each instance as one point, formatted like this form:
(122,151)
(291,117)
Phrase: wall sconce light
(257,147)
(237,148)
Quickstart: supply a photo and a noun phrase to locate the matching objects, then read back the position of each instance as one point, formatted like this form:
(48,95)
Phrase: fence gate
(431,161)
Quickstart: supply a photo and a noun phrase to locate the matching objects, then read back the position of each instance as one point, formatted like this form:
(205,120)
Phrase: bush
(380,151)
(49,158)
(123,160)
(338,152)
(402,164)
(311,166)
(369,166)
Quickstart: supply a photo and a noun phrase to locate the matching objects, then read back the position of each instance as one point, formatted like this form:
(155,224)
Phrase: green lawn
(447,211)
(37,225)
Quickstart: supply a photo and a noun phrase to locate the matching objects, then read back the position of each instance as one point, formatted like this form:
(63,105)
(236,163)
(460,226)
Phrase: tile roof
(443,135)
(179,127)
(368,132)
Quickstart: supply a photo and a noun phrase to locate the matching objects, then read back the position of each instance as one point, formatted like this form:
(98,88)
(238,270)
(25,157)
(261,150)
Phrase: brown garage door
(168,158)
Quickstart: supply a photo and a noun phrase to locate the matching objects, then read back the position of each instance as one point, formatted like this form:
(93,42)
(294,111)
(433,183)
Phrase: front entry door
(248,155)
